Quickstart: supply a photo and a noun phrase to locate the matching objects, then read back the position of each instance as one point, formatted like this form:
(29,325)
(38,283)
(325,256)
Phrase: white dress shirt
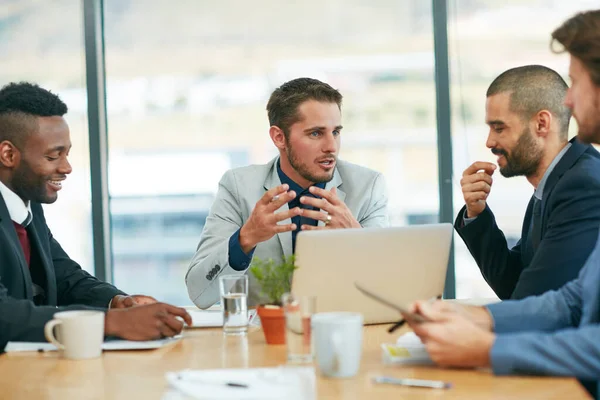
(19,211)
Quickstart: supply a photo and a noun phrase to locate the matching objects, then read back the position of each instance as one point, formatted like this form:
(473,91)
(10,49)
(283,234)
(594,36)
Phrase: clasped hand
(264,221)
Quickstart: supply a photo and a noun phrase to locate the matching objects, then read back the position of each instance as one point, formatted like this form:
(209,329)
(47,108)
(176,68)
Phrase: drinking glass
(234,301)
(298,311)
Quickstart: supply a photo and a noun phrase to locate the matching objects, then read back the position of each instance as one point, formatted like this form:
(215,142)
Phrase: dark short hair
(20,104)
(283,104)
(534,88)
(580,37)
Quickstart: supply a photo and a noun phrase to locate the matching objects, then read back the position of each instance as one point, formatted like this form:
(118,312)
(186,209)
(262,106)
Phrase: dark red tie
(24,240)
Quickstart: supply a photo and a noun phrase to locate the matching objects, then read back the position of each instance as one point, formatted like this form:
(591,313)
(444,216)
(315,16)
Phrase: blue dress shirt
(239,260)
(555,333)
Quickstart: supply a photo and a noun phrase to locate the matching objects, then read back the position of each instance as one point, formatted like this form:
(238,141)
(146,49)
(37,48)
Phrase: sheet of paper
(15,347)
(135,345)
(290,383)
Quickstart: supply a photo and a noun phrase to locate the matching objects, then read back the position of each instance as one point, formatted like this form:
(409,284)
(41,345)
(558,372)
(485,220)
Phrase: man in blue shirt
(558,332)
(259,209)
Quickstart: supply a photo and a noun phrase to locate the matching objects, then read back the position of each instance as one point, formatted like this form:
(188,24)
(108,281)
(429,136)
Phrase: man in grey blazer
(556,333)
(259,209)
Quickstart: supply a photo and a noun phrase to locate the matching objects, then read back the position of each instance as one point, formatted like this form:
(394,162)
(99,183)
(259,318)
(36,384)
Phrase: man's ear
(543,122)
(10,156)
(278,137)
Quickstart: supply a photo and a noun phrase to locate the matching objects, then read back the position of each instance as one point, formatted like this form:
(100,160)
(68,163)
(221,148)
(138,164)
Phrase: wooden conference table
(141,374)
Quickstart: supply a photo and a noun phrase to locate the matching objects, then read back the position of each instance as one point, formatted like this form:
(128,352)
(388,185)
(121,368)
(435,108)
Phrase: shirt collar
(539,192)
(18,210)
(293,185)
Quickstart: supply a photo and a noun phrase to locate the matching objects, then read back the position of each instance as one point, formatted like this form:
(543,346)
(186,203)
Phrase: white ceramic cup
(81,333)
(337,340)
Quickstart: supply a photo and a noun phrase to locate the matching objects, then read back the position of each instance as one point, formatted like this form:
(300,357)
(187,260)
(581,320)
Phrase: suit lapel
(285,238)
(37,246)
(336,182)
(526,242)
(566,162)
(8,230)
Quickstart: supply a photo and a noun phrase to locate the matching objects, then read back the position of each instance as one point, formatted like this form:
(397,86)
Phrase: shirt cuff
(467,221)
(238,260)
(502,359)
(503,316)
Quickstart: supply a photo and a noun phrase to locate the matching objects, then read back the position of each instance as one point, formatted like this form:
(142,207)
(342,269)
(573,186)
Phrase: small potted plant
(275,280)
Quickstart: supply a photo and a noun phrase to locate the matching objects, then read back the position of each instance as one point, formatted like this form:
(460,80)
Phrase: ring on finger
(275,198)
(327,220)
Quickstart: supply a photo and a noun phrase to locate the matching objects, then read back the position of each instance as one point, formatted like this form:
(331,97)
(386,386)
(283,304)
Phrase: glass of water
(234,295)
(298,312)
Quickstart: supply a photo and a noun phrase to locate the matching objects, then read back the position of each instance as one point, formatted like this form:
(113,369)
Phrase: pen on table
(230,384)
(400,323)
(421,383)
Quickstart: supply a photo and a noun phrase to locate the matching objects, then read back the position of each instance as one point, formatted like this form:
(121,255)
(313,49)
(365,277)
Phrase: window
(187,87)
(42,42)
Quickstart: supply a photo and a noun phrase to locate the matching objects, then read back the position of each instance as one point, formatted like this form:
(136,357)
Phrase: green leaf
(275,279)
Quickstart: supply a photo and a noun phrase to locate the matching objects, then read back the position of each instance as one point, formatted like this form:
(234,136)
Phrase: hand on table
(120,301)
(146,322)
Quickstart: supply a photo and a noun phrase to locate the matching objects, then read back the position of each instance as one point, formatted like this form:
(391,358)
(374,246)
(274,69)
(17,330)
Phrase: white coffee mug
(337,340)
(81,333)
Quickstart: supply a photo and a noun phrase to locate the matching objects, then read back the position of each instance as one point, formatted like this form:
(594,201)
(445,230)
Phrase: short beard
(524,159)
(30,187)
(303,169)
(591,135)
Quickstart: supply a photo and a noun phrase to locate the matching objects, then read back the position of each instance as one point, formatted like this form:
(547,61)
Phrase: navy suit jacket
(66,285)
(570,219)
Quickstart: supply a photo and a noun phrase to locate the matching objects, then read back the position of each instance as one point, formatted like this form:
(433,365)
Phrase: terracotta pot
(272,320)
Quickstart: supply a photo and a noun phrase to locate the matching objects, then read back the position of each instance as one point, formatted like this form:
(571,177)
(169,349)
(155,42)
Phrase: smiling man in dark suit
(37,277)
(529,124)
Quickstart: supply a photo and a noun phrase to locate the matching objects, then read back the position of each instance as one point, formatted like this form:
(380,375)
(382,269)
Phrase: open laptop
(400,264)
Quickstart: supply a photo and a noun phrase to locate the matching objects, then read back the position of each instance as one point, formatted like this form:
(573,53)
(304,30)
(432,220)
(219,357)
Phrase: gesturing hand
(333,211)
(476,184)
(147,322)
(263,222)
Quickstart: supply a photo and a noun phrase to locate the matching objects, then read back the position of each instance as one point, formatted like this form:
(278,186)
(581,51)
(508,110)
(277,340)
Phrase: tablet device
(400,308)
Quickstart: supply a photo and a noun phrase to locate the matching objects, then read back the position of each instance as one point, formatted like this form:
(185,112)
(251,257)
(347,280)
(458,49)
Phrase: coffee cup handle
(49,333)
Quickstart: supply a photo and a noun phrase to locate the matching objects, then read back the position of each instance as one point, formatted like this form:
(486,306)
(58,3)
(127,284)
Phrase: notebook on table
(108,345)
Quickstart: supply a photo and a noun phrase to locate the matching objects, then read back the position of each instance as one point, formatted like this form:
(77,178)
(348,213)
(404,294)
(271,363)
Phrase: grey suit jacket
(363,191)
